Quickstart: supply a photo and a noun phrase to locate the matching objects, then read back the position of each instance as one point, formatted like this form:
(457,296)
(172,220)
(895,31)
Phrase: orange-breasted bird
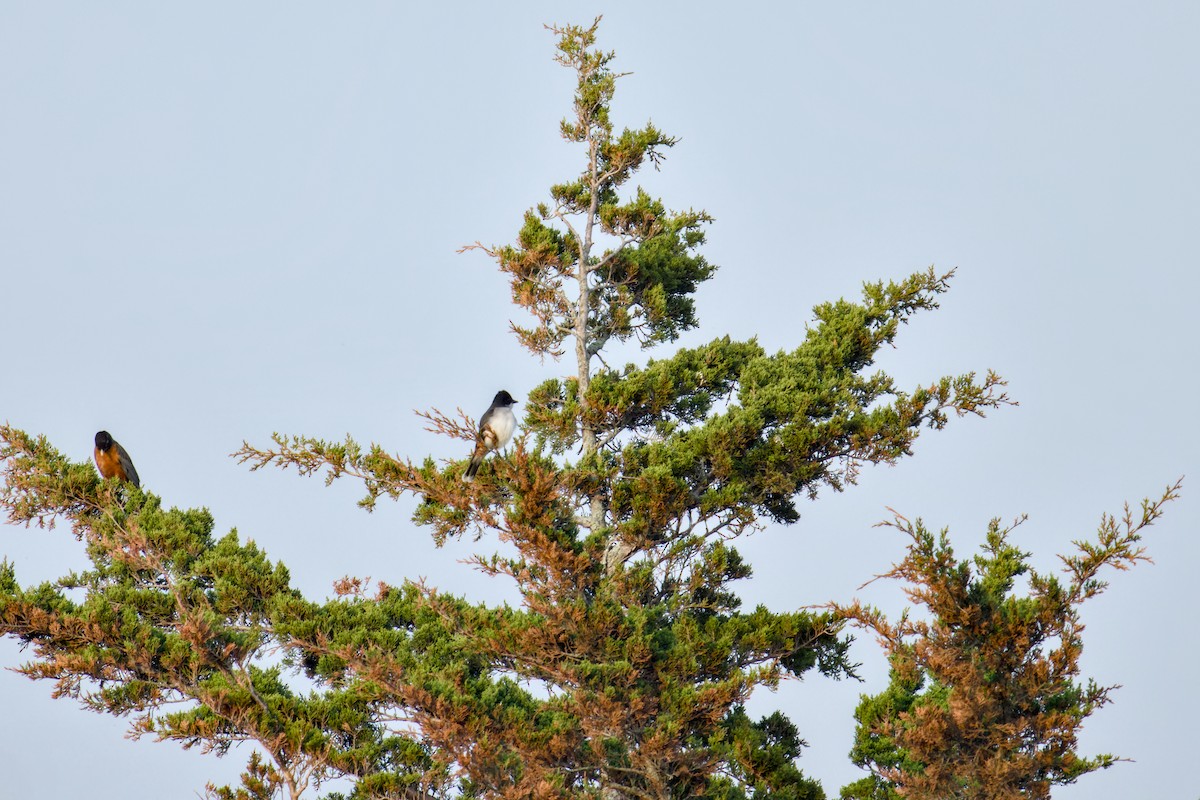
(113,461)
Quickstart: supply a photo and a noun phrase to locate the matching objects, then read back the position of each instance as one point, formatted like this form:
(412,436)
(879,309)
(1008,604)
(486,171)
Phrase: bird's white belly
(504,423)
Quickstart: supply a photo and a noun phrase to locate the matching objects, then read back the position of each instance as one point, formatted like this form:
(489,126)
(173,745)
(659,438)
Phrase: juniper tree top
(624,670)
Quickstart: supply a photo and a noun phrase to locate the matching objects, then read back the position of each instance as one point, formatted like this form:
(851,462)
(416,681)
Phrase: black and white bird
(496,428)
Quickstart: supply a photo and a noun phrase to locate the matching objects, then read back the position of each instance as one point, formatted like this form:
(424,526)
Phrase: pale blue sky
(225,219)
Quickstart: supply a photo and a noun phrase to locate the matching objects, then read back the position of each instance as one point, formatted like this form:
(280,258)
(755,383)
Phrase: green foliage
(875,749)
(641,285)
(762,758)
(629,620)
(171,631)
(625,669)
(983,702)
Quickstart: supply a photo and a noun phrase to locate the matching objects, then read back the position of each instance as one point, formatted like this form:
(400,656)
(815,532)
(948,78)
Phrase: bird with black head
(496,428)
(113,461)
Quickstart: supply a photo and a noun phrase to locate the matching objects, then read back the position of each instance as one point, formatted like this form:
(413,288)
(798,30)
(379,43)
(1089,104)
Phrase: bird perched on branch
(496,428)
(113,461)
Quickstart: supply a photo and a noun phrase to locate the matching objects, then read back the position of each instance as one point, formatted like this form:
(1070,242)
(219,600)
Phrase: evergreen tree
(178,630)
(983,702)
(625,670)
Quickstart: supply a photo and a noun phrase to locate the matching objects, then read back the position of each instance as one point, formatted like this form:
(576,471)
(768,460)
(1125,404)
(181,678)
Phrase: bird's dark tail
(473,467)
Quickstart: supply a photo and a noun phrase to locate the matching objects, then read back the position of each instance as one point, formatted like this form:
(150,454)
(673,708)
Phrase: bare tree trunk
(582,356)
